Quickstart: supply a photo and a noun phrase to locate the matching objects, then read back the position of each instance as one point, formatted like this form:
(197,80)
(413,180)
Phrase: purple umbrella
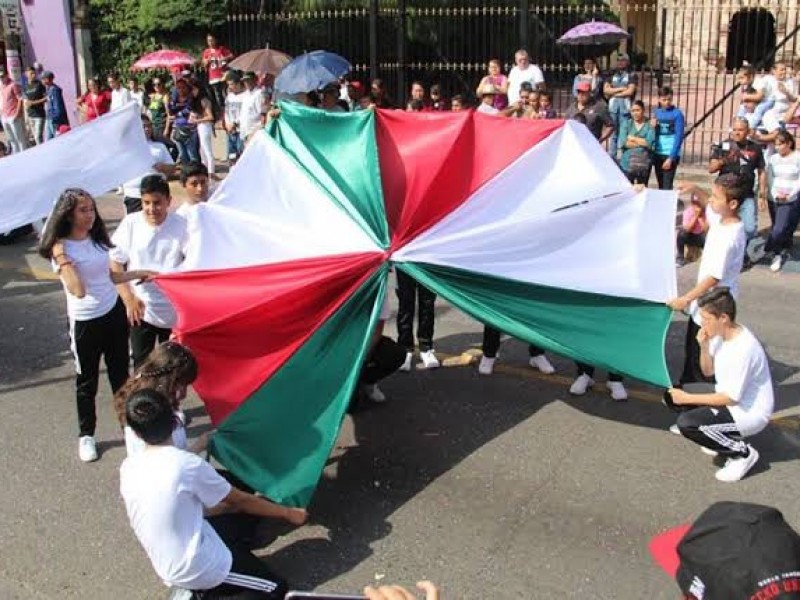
(595,32)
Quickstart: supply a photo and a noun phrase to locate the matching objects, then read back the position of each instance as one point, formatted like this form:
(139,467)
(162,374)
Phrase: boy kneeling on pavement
(741,402)
(168,493)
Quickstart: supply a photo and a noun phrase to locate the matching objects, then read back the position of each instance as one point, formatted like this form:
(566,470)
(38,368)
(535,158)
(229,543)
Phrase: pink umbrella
(594,32)
(163,59)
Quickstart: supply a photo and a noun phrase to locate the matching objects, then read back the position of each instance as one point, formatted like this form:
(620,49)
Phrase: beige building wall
(694,33)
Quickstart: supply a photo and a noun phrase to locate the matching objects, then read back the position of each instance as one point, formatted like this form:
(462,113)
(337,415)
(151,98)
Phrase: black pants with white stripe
(250,578)
(104,337)
(409,292)
(713,428)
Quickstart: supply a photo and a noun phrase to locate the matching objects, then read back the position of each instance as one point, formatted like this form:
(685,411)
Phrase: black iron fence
(693,46)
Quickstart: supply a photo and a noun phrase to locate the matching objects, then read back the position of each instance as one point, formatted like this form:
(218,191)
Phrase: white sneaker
(777,262)
(580,385)
(708,451)
(736,468)
(87,448)
(407,363)
(486,366)
(675,429)
(429,360)
(540,362)
(374,393)
(617,391)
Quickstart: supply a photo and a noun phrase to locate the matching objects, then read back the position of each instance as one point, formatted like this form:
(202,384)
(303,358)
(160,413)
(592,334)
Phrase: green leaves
(171,15)
(123,30)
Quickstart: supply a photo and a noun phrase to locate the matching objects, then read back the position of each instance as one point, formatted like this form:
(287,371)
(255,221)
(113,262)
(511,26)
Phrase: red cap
(356,84)
(584,86)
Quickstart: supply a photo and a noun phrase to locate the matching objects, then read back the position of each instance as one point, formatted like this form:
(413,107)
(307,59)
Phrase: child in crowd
(233,113)
(438,103)
(151,239)
(168,492)
(194,179)
(546,110)
(722,259)
(692,231)
(457,104)
(741,402)
(758,90)
(76,241)
(488,93)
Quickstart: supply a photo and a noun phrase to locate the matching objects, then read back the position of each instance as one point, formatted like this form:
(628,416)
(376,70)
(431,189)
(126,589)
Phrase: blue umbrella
(311,71)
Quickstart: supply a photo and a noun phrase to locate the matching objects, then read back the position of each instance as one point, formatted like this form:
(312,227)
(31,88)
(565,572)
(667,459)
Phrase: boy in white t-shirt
(168,493)
(153,239)
(742,400)
(194,179)
(721,264)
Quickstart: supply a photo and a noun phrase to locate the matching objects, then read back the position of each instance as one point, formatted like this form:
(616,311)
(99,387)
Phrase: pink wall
(48,40)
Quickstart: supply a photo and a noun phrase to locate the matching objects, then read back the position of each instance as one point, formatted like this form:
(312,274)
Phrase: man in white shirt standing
(168,493)
(741,402)
(157,238)
(162,163)
(250,111)
(523,70)
(120,95)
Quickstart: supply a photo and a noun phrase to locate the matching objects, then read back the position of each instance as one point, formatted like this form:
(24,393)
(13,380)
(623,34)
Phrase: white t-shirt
(766,84)
(120,97)
(487,109)
(91,262)
(783,174)
(135,445)
(165,491)
(723,255)
(533,74)
(250,112)
(138,97)
(742,372)
(233,108)
(139,245)
(160,155)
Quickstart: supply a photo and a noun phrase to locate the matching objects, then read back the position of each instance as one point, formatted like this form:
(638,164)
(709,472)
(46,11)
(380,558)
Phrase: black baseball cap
(734,550)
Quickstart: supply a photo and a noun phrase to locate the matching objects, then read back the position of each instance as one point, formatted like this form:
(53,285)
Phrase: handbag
(640,160)
(182,135)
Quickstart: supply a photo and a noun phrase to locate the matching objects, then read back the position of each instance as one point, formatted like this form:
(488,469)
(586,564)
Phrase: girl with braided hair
(170,369)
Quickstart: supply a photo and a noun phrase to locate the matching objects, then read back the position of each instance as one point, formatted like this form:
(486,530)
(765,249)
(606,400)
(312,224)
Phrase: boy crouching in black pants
(169,492)
(741,402)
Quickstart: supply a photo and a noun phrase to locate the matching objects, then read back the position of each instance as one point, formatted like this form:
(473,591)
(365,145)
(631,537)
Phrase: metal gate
(690,45)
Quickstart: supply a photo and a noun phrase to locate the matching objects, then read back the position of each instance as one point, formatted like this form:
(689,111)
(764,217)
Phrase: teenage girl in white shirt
(76,241)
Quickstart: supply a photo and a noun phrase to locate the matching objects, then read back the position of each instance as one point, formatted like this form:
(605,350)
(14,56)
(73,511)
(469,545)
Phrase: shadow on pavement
(396,450)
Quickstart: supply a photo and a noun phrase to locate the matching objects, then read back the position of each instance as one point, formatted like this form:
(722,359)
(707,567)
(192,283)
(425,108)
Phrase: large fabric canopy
(525,225)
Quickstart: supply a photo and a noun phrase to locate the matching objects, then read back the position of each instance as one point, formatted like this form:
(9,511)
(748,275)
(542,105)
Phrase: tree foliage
(174,15)
(123,30)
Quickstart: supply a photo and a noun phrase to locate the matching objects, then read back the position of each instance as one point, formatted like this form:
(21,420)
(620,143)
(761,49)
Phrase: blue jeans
(618,112)
(235,145)
(189,149)
(49,130)
(749,217)
(785,217)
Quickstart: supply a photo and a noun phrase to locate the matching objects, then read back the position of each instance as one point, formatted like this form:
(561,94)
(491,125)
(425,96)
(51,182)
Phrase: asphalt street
(499,487)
